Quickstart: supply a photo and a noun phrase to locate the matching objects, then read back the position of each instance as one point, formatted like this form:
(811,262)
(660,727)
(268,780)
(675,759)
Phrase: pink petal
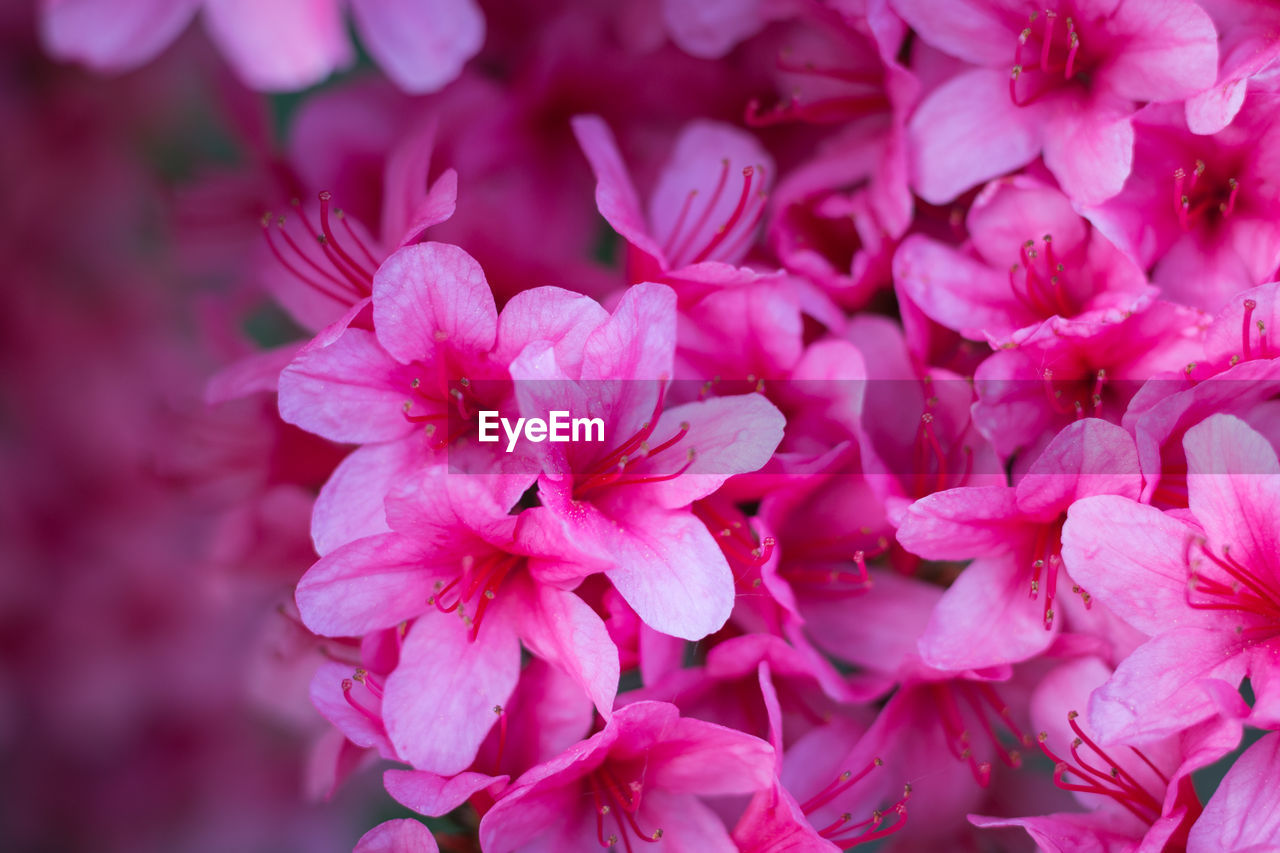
(958,291)
(367,585)
(1089,457)
(967,131)
(1234,490)
(109,35)
(252,374)
(1132,557)
(560,628)
(708,159)
(432,795)
(972,30)
(352,503)
(986,618)
(1155,692)
(439,701)
(710,29)
(962,523)
(1089,152)
(327,696)
(697,757)
(1243,815)
(638,340)
(548,314)
(348,391)
(280,46)
(616,195)
(668,568)
(420,44)
(430,298)
(404,835)
(688,825)
(1167,56)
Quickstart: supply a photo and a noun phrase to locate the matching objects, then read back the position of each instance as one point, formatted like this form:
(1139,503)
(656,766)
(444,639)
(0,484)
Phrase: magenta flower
(641,779)
(1016,582)
(1247,48)
(625,500)
(1030,257)
(1140,797)
(1200,210)
(704,210)
(456,550)
(275,47)
(1062,81)
(1204,587)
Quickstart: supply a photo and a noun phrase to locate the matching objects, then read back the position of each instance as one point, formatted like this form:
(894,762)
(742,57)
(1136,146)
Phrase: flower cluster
(935,480)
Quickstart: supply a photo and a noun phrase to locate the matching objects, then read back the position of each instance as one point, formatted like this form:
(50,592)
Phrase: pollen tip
(877,761)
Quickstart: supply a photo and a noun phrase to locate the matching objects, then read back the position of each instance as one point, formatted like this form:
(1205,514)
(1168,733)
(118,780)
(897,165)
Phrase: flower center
(935,468)
(1233,588)
(334,262)
(745,551)
(612,469)
(439,400)
(1038,281)
(478,581)
(1197,199)
(370,705)
(622,802)
(1092,399)
(1049,50)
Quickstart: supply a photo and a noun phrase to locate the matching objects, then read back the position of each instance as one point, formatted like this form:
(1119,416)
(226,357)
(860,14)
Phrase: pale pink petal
(1068,833)
(431,298)
(1089,153)
(968,130)
(1167,56)
(1234,489)
(433,795)
(1155,692)
(420,44)
(708,29)
(439,701)
(110,35)
(351,503)
(1088,457)
(560,628)
(349,391)
(327,695)
(367,585)
(962,523)
(1243,816)
(701,187)
(282,45)
(697,757)
(403,835)
(616,195)
(986,618)
(688,825)
(973,30)
(1132,557)
(551,315)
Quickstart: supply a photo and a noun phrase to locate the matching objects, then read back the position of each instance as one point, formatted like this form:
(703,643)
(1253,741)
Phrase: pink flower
(456,550)
(1030,257)
(1006,605)
(642,778)
(403,835)
(625,500)
(1063,81)
(1139,796)
(1205,589)
(703,213)
(1202,211)
(280,46)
